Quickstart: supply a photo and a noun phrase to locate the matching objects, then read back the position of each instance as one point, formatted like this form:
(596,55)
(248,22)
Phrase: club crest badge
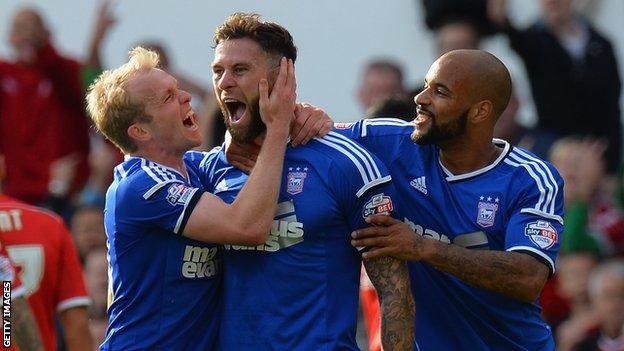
(295,182)
(542,234)
(486,214)
(378,204)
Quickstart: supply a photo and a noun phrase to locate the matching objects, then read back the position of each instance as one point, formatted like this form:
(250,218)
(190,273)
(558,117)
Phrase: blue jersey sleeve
(203,165)
(361,182)
(536,223)
(159,198)
(381,136)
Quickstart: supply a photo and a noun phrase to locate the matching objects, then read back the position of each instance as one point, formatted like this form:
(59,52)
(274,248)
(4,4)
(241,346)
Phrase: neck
(174,161)
(467,155)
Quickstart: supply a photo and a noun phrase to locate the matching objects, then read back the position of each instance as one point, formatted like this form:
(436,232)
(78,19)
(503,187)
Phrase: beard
(247,132)
(438,133)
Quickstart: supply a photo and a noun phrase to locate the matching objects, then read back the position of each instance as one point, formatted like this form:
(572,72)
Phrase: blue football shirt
(300,290)
(165,288)
(513,204)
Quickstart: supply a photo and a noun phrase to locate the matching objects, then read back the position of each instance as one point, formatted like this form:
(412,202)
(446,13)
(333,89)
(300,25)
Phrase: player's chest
(471,212)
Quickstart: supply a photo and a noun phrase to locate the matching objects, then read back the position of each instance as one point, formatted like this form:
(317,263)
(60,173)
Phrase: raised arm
(248,219)
(391,280)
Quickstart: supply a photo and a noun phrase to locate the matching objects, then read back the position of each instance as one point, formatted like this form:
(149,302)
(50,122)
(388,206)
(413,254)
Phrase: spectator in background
(594,220)
(43,126)
(381,79)
(573,270)
(606,291)
(96,277)
(395,106)
(573,76)
(87,228)
(40,245)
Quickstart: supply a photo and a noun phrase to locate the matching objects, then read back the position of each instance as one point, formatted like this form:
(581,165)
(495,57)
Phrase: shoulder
(351,160)
(537,182)
(383,127)
(140,177)
(530,168)
(41,215)
(203,158)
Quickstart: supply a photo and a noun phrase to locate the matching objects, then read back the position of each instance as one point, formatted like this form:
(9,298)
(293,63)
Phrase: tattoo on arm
(513,274)
(25,326)
(391,279)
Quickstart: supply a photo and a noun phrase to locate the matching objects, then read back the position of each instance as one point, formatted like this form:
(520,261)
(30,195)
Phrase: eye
(217,73)
(240,70)
(169,97)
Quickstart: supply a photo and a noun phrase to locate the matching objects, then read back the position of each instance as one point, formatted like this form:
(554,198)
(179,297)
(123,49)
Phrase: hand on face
(389,237)
(277,109)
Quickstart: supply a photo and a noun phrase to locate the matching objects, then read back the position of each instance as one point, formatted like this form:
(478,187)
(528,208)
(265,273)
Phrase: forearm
(75,322)
(25,326)
(255,205)
(515,275)
(391,280)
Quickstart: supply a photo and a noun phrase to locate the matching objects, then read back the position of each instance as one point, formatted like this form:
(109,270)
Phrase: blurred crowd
(55,160)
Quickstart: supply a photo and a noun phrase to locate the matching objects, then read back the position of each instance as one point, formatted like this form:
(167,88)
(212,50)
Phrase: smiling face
(238,67)
(442,112)
(173,125)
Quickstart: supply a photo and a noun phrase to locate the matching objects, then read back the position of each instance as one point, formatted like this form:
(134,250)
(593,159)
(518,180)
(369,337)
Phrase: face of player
(173,126)
(442,111)
(237,69)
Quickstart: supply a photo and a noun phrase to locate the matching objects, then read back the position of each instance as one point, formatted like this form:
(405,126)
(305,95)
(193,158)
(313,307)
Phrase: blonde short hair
(109,104)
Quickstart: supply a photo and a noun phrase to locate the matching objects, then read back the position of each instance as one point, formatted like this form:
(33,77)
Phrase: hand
(277,110)
(390,237)
(62,173)
(242,156)
(103,21)
(310,122)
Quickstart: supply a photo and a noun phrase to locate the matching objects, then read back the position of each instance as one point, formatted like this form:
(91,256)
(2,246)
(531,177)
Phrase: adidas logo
(419,184)
(222,186)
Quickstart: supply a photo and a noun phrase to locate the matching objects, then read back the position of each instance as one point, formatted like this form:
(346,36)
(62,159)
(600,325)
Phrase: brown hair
(272,38)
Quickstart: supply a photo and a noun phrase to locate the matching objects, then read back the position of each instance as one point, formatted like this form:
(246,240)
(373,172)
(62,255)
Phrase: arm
(248,219)
(104,20)
(513,274)
(391,280)
(75,322)
(25,327)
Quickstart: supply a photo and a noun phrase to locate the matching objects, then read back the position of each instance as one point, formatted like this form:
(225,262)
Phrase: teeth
(190,114)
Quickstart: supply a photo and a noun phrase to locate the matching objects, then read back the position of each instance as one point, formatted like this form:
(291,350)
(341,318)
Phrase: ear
(481,111)
(139,132)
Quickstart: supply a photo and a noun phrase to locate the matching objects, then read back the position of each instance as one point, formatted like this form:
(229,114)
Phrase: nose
(422,98)
(184,96)
(225,81)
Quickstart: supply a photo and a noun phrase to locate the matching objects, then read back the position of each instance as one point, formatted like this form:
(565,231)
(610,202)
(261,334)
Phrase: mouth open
(422,116)
(236,110)
(190,121)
